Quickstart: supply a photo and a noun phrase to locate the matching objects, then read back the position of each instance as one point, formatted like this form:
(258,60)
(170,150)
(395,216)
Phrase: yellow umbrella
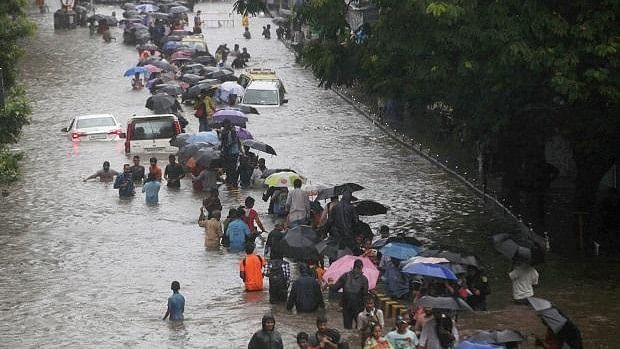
(283,179)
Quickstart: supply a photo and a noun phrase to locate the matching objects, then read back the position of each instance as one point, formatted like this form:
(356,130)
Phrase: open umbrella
(298,242)
(431,270)
(282,179)
(227,88)
(369,208)
(475,345)
(406,240)
(206,156)
(425,260)
(243,133)
(147,46)
(163,65)
(379,243)
(452,257)
(345,264)
(206,60)
(338,190)
(234,116)
(497,337)
(152,69)
(328,247)
(159,15)
(160,103)
(205,136)
(399,250)
(134,70)
(180,54)
(147,8)
(178,9)
(539,304)
(169,89)
(186,152)
(201,88)
(509,248)
(129,6)
(313,189)
(190,78)
(180,140)
(447,303)
(246,109)
(266,148)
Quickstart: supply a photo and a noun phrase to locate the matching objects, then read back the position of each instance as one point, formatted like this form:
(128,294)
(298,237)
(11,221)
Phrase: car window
(152,129)
(261,97)
(95,122)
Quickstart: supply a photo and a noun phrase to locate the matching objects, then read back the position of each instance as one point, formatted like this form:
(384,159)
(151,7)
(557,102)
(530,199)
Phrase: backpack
(352,284)
(276,274)
(279,205)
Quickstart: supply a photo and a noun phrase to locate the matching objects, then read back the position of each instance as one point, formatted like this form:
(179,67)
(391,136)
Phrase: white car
(151,134)
(264,93)
(97,127)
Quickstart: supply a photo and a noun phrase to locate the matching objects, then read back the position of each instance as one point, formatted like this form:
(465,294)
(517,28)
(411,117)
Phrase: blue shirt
(124,184)
(151,188)
(237,231)
(176,306)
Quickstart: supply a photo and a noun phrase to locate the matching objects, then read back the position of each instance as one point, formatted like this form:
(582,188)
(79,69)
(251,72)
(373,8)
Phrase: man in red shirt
(251,269)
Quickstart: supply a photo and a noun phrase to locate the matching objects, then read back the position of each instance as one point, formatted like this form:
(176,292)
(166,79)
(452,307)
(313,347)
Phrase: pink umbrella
(345,264)
(152,69)
(243,133)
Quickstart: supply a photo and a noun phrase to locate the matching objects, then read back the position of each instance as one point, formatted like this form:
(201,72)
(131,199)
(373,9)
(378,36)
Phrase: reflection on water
(82,268)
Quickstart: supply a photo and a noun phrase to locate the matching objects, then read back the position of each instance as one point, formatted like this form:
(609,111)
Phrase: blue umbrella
(207,137)
(399,250)
(432,270)
(147,8)
(470,345)
(135,70)
(172,45)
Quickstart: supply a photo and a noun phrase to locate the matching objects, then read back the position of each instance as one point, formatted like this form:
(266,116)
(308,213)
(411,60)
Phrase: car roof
(95,116)
(261,74)
(193,38)
(153,116)
(263,85)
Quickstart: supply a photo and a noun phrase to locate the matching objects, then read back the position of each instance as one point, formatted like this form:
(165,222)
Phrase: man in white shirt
(368,318)
(524,277)
(297,205)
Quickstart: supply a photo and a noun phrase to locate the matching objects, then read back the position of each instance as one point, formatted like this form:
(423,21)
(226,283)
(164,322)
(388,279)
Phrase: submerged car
(264,93)
(151,133)
(96,127)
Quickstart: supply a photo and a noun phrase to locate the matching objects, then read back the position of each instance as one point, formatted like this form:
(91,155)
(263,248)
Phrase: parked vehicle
(261,93)
(151,134)
(96,127)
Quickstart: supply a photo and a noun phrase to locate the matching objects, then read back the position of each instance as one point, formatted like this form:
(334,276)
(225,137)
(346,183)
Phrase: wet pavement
(81,268)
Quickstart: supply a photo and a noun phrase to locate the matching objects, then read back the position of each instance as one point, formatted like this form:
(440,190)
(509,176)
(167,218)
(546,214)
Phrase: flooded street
(81,268)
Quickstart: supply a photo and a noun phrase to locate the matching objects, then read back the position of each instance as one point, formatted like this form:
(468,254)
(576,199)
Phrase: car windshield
(261,97)
(95,122)
(151,129)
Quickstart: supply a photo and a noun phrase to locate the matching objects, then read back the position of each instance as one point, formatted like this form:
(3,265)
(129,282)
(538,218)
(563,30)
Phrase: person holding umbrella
(439,332)
(231,148)
(524,277)
(354,286)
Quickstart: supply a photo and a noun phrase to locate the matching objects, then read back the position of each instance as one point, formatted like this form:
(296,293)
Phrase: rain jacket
(305,293)
(264,339)
(237,231)
(343,217)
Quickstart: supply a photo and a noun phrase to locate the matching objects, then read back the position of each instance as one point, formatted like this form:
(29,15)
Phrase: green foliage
(14,27)
(250,7)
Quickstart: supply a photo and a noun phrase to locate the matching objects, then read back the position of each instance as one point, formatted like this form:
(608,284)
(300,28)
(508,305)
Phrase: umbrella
(338,190)
(448,303)
(399,250)
(298,242)
(148,46)
(377,244)
(180,54)
(180,140)
(227,88)
(147,8)
(243,133)
(159,15)
(134,70)
(505,245)
(186,152)
(407,240)
(206,137)
(246,109)
(328,247)
(266,148)
(178,9)
(472,345)
(173,90)
(432,270)
(206,60)
(160,103)
(452,257)
(152,69)
(200,88)
(172,45)
(191,78)
(236,117)
(282,179)
(369,208)
(345,264)
(313,189)
(268,172)
(280,20)
(129,6)
(497,337)
(425,260)
(206,156)
(163,65)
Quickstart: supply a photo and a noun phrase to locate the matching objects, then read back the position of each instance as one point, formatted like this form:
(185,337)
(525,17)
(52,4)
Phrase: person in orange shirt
(251,269)
(154,169)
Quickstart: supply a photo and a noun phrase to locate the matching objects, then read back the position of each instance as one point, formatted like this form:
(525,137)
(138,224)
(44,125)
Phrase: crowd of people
(338,224)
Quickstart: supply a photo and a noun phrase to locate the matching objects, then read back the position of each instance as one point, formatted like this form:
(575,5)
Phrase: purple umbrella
(243,133)
(235,116)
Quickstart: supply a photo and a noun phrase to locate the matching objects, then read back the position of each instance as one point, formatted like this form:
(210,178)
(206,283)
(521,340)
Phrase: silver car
(99,127)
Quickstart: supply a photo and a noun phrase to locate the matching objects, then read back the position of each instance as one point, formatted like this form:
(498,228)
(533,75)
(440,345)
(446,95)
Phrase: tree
(251,7)
(14,26)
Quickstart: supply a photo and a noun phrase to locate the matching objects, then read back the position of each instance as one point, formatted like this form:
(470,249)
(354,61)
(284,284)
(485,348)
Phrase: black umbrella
(159,15)
(148,47)
(453,257)
(369,208)
(560,324)
(170,89)
(160,103)
(189,150)
(206,157)
(328,247)
(266,148)
(220,74)
(178,9)
(230,77)
(246,109)
(448,303)
(497,337)
(191,78)
(510,249)
(338,190)
(299,242)
(131,14)
(163,65)
(200,88)
(206,60)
